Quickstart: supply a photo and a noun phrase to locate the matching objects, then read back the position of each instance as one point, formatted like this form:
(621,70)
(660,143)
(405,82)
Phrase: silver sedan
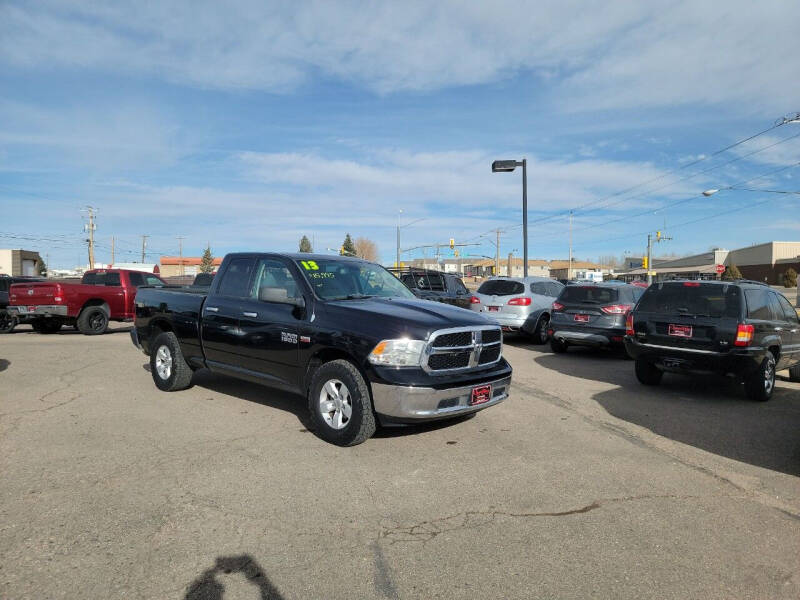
(518,303)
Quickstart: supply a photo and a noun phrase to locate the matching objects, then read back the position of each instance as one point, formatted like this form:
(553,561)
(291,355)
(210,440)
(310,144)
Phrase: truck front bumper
(411,404)
(42,310)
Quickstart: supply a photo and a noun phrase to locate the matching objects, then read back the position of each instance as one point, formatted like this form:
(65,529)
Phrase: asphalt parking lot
(582,484)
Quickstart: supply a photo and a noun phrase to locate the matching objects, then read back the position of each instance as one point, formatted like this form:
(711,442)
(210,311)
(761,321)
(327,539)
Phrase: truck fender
(325,355)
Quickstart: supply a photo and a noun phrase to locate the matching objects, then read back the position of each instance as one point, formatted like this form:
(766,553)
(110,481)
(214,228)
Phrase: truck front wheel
(93,320)
(169,369)
(340,404)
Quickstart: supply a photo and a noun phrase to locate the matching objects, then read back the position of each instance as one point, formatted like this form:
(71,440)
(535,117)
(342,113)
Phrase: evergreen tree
(305,245)
(207,262)
(790,278)
(348,248)
(42,268)
(732,272)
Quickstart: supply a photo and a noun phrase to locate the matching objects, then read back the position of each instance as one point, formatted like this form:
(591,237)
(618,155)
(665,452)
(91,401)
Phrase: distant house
(174,266)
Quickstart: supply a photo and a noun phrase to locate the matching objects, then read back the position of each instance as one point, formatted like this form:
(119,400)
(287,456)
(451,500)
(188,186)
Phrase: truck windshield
(334,279)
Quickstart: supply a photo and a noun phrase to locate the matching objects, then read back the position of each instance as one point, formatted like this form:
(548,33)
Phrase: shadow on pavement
(208,586)
(4,364)
(710,413)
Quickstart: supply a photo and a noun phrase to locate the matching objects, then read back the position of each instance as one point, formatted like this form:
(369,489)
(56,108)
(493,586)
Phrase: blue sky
(249,124)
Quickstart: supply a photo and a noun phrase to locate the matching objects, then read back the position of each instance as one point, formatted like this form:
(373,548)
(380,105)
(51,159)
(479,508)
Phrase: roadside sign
(720,269)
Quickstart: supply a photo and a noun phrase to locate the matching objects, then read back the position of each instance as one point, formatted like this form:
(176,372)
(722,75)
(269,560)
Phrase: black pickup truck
(342,332)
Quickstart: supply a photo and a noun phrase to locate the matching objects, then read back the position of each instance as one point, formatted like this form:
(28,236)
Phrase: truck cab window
(236,279)
(273,275)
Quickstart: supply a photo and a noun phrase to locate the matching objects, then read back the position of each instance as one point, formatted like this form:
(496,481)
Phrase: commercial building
(765,262)
(174,266)
(18,263)
(580,269)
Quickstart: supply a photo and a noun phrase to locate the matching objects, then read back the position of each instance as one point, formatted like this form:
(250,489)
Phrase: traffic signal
(452,243)
(645,264)
(456,253)
(658,236)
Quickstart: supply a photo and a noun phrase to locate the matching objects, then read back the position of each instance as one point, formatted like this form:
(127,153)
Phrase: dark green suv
(739,328)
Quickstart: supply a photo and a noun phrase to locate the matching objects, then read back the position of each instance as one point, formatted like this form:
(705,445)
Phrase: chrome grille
(462,349)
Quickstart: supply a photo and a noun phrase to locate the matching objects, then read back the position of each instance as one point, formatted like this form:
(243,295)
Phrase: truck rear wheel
(760,384)
(169,369)
(340,404)
(794,373)
(93,320)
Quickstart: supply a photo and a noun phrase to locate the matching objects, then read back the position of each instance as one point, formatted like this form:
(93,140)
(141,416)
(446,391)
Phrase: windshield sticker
(309,265)
(321,275)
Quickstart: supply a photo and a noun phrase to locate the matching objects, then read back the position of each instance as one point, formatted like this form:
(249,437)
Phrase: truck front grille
(462,349)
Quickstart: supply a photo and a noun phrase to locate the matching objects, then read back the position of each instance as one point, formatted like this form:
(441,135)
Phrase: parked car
(7,320)
(739,328)
(591,315)
(344,333)
(518,304)
(435,285)
(103,295)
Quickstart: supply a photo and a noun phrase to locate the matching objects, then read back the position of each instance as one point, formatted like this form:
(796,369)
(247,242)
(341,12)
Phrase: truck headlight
(397,353)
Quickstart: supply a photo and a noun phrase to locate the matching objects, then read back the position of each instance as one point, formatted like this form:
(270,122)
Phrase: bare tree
(367,249)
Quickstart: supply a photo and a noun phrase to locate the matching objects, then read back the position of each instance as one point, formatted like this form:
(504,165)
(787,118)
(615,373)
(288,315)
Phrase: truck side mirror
(279,295)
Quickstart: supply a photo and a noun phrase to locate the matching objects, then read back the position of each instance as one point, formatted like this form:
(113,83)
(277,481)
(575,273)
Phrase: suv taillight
(475,300)
(744,335)
(520,301)
(557,306)
(629,324)
(616,309)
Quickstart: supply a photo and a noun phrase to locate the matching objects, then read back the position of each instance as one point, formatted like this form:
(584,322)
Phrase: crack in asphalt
(426,531)
(66,384)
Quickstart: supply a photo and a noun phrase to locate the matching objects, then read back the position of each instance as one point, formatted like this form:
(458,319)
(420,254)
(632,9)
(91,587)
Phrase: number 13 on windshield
(309,265)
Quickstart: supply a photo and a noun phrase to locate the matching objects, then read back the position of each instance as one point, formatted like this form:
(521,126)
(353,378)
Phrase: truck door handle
(250,314)
(212,309)
(779,329)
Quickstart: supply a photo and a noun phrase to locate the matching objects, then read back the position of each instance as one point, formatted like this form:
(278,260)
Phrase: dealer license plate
(582,318)
(481,394)
(493,308)
(684,331)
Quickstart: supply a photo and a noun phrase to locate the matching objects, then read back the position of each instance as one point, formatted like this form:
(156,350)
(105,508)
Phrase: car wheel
(794,373)
(169,369)
(340,404)
(50,325)
(36,325)
(93,320)
(558,346)
(760,385)
(540,333)
(7,322)
(647,373)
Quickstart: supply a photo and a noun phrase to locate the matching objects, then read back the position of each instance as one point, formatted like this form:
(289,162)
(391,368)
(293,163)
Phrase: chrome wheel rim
(769,376)
(335,404)
(163,362)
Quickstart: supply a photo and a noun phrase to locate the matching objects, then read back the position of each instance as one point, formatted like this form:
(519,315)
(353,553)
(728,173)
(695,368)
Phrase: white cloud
(610,55)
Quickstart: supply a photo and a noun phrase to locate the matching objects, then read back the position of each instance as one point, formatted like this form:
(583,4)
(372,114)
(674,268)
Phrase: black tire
(647,373)
(558,346)
(36,324)
(51,325)
(794,373)
(356,428)
(539,335)
(7,322)
(169,369)
(760,384)
(93,320)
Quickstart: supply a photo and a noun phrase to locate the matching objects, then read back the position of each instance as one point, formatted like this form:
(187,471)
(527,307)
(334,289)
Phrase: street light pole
(506,166)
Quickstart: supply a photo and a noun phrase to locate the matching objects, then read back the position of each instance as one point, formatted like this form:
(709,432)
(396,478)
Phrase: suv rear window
(588,294)
(501,287)
(703,299)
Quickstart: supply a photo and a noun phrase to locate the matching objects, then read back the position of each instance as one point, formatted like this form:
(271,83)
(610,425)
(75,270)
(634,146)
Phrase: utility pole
(508,268)
(650,241)
(144,245)
(497,254)
(569,269)
(112,250)
(90,228)
(180,252)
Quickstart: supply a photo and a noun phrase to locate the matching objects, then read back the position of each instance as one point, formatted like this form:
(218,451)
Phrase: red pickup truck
(103,295)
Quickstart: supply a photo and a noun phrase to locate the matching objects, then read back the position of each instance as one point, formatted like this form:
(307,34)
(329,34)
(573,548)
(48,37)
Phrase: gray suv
(518,304)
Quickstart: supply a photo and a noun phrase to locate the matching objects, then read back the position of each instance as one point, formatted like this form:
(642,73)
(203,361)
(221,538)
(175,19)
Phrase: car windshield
(589,294)
(691,298)
(335,279)
(501,287)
